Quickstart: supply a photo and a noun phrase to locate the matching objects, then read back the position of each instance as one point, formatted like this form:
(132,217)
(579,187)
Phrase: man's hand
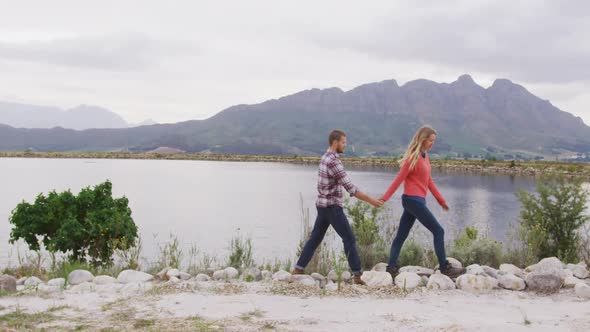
(445,207)
(376,202)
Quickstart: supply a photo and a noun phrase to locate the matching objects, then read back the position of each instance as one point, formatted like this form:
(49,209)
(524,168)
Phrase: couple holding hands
(415,174)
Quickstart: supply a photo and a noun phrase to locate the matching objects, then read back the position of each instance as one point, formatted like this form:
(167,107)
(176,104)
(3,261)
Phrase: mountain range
(379,119)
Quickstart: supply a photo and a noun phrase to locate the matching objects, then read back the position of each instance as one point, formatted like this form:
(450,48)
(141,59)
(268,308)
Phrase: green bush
(412,253)
(93,223)
(371,246)
(241,253)
(551,219)
(471,249)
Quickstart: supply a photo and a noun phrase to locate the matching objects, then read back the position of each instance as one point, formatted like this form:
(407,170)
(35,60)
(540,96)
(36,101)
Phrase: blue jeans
(415,208)
(332,215)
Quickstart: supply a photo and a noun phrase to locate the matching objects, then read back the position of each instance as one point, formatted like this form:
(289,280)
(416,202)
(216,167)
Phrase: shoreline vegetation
(472,166)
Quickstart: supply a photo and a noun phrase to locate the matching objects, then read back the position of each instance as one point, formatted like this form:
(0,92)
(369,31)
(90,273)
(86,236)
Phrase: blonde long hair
(413,152)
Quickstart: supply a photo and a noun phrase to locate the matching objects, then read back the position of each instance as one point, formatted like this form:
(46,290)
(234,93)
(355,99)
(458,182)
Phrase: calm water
(207,203)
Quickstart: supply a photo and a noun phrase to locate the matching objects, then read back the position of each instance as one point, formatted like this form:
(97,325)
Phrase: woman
(415,174)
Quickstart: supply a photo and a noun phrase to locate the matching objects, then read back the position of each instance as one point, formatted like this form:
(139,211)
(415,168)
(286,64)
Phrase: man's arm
(364,197)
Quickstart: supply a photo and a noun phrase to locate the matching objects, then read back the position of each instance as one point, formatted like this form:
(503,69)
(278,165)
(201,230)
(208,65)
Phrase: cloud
(534,41)
(116,52)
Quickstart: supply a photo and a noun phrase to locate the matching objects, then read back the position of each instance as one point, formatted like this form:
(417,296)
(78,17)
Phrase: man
(331,179)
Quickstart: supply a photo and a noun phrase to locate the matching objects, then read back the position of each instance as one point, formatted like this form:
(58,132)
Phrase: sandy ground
(212,306)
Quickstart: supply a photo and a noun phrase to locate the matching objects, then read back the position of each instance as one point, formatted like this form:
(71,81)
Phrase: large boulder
(57,282)
(490,271)
(408,280)
(104,280)
(582,290)
(77,277)
(219,275)
(380,267)
(202,277)
(476,283)
(419,270)
(474,269)
(512,282)
(132,276)
(231,273)
(281,276)
(377,279)
(512,269)
(33,282)
(320,279)
(440,281)
(303,279)
(578,270)
(544,281)
(7,283)
(333,276)
(252,274)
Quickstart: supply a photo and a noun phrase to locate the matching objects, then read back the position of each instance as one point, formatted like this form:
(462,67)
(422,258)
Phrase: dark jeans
(332,215)
(415,208)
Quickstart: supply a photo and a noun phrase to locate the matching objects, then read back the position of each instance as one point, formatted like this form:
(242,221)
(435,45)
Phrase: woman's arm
(401,176)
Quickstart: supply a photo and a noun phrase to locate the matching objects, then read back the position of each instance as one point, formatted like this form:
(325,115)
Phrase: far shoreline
(484,167)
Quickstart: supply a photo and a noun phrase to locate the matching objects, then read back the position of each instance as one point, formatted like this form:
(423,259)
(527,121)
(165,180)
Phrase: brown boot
(297,271)
(356,280)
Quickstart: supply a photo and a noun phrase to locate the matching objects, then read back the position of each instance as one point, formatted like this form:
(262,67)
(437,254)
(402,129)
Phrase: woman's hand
(445,207)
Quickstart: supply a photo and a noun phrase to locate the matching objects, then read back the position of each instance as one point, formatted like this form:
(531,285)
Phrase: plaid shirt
(331,179)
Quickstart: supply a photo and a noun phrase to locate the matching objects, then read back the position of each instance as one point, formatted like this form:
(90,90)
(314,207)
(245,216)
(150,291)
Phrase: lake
(206,203)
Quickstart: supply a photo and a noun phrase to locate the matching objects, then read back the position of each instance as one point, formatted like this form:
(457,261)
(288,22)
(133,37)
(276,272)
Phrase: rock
(162,274)
(185,276)
(571,282)
(173,280)
(419,270)
(21,281)
(32,282)
(377,279)
(173,273)
(380,267)
(474,269)
(231,273)
(579,271)
(219,275)
(57,282)
(345,276)
(320,279)
(453,262)
(544,282)
(84,287)
(266,275)
(424,281)
(132,276)
(440,281)
(512,282)
(281,276)
(331,287)
(7,283)
(104,280)
(77,277)
(476,283)
(252,274)
(512,269)
(303,279)
(549,263)
(490,271)
(582,290)
(202,277)
(408,280)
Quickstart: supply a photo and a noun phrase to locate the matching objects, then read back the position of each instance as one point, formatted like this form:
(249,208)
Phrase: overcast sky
(180,60)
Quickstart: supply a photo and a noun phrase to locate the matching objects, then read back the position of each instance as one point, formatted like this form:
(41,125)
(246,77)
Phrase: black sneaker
(450,271)
(394,271)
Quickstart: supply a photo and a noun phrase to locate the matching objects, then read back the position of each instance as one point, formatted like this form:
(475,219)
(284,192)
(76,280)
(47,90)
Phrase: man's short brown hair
(335,135)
